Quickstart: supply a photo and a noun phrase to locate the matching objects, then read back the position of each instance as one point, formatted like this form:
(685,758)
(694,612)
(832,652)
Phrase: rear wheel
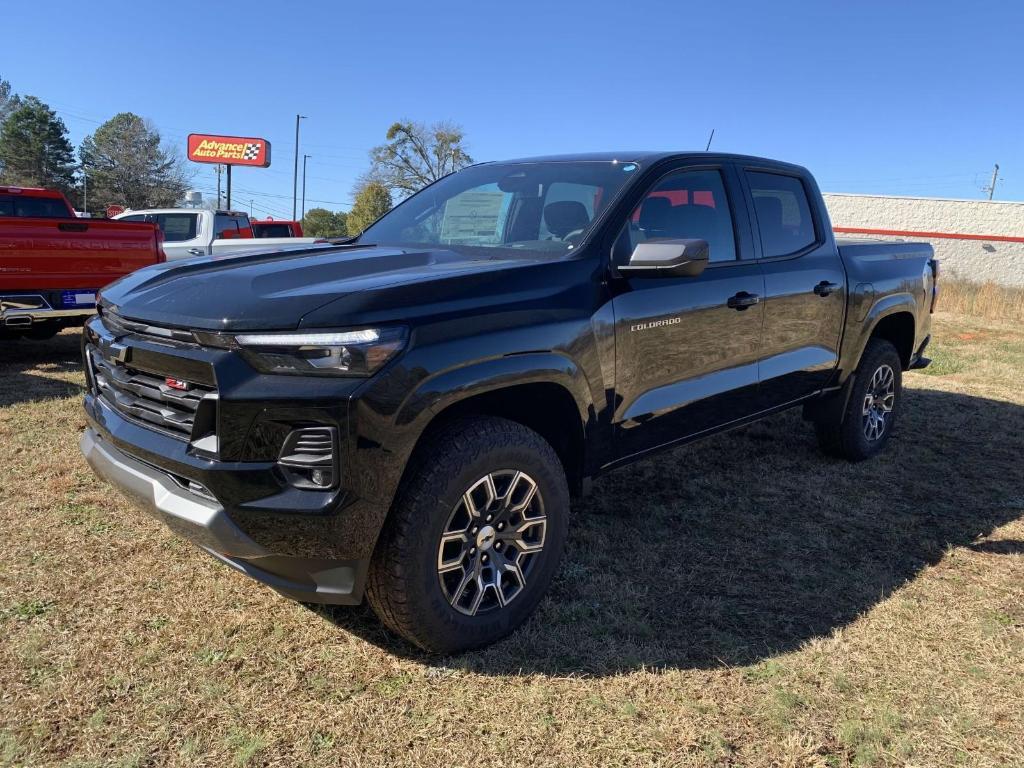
(474,538)
(865,425)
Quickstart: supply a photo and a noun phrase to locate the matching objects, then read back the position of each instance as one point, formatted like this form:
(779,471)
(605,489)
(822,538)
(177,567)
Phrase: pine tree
(128,165)
(34,148)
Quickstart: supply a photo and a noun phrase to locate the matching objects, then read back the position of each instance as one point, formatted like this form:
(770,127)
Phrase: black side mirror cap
(667,258)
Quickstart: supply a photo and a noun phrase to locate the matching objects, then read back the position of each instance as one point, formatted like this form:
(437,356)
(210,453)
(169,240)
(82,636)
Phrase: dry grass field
(738,602)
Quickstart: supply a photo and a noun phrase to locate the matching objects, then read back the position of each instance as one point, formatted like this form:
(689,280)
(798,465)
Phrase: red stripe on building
(908,233)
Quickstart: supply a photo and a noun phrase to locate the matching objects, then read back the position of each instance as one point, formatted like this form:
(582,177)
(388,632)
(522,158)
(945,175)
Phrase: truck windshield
(540,206)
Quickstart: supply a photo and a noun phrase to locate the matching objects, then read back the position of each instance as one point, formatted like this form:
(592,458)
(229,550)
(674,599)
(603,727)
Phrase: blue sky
(880,97)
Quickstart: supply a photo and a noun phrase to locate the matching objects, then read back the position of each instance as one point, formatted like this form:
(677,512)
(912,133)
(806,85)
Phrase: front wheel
(866,424)
(474,538)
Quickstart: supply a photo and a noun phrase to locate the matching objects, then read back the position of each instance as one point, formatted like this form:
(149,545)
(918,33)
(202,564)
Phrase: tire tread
(442,456)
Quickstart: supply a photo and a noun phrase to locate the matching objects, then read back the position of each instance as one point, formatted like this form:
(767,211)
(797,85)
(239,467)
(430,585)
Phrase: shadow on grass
(749,544)
(24,363)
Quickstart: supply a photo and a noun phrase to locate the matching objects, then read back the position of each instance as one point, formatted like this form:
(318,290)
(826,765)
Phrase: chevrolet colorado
(406,415)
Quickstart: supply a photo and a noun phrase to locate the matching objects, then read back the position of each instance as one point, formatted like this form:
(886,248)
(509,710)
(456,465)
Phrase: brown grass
(986,300)
(741,601)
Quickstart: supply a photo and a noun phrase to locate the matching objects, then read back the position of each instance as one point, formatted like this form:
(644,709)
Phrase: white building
(976,240)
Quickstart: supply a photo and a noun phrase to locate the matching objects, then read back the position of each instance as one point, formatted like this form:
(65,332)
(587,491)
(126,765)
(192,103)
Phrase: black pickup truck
(406,415)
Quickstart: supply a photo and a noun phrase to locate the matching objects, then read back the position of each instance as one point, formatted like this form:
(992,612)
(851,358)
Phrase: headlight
(342,353)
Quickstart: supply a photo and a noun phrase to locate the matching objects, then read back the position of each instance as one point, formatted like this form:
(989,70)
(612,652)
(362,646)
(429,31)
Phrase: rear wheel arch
(899,329)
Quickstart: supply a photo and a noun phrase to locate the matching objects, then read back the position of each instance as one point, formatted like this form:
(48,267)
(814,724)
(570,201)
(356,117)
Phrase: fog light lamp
(309,458)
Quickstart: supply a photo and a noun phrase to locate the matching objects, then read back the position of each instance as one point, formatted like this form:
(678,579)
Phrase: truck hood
(312,287)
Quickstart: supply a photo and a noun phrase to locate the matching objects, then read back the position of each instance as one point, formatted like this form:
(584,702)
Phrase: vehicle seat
(565,217)
(656,217)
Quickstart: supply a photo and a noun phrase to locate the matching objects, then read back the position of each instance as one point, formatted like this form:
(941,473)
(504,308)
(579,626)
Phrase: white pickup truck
(197,232)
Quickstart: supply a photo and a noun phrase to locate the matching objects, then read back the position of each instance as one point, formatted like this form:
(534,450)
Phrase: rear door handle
(196,251)
(825,288)
(742,300)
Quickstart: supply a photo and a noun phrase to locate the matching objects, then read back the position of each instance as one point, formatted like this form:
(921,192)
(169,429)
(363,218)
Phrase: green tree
(34,148)
(128,165)
(320,222)
(416,155)
(373,200)
(9,100)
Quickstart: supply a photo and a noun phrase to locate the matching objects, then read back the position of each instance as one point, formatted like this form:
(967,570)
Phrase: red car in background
(52,262)
(275,228)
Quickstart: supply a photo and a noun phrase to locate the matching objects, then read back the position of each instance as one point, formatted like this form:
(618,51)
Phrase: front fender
(435,394)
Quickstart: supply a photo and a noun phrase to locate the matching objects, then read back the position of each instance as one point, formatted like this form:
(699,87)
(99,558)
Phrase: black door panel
(805,290)
(685,361)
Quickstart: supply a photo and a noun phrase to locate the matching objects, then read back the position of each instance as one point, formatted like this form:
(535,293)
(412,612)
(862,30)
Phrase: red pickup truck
(276,228)
(52,263)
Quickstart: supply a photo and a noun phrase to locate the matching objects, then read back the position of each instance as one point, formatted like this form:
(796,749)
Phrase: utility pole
(217,169)
(304,159)
(991,188)
(85,191)
(295,174)
(250,207)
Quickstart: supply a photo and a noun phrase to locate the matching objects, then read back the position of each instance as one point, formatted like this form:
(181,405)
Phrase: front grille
(147,397)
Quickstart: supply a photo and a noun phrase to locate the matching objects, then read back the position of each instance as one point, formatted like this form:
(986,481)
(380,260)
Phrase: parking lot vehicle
(192,232)
(407,415)
(275,228)
(52,263)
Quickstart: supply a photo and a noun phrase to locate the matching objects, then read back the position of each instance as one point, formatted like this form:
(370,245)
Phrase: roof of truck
(13,189)
(646,157)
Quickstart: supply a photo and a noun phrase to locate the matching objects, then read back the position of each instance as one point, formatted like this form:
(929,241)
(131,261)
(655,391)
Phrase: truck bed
(863,249)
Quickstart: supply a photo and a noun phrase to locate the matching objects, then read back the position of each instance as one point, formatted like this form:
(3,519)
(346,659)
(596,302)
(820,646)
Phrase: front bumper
(208,524)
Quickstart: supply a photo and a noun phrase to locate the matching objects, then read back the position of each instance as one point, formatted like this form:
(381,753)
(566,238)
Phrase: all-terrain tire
(850,436)
(404,587)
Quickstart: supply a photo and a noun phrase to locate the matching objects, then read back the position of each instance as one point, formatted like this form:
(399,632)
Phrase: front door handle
(742,300)
(825,288)
(197,251)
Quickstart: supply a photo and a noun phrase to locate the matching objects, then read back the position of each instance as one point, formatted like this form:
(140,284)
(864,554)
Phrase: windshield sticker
(472,216)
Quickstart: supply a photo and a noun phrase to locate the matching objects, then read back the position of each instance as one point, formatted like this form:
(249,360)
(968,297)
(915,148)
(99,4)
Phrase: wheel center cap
(485,539)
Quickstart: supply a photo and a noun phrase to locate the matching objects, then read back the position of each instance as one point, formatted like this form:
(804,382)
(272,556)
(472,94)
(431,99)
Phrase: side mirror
(667,258)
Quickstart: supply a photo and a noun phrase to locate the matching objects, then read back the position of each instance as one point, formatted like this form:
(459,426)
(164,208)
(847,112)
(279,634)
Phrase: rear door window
(783,213)
(177,227)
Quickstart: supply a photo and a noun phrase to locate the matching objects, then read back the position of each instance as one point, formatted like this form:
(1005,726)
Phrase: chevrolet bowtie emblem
(119,352)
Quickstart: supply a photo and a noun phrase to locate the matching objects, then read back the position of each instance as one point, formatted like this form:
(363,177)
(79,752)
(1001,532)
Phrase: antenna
(709,140)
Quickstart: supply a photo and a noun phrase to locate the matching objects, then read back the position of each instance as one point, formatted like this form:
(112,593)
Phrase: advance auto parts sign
(232,150)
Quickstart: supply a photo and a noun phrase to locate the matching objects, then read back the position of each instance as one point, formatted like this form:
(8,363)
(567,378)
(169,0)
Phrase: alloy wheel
(878,402)
(492,541)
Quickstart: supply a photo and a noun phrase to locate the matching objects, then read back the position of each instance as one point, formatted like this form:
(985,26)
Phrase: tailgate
(68,254)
